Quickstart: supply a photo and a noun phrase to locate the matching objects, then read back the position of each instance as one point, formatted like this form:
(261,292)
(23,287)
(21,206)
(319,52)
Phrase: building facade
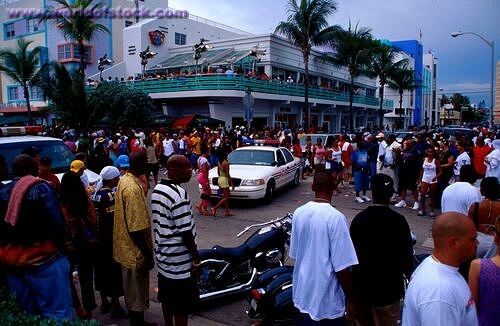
(496,113)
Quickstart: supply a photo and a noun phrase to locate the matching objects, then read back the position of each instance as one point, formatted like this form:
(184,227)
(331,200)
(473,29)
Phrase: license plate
(253,304)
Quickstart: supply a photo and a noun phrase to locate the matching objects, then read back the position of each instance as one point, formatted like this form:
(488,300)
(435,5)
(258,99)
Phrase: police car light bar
(20,131)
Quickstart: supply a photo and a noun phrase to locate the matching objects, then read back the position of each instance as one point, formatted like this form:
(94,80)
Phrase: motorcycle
(271,300)
(226,271)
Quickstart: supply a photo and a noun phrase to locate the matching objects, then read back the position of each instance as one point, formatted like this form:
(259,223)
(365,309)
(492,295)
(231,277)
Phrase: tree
(112,104)
(353,49)
(383,65)
(459,101)
(402,80)
(77,25)
(305,27)
(22,66)
(123,106)
(66,94)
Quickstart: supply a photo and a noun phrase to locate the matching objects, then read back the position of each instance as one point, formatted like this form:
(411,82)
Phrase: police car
(13,140)
(258,171)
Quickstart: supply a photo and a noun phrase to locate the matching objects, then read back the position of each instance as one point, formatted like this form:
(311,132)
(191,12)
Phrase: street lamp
(102,63)
(145,56)
(198,49)
(491,44)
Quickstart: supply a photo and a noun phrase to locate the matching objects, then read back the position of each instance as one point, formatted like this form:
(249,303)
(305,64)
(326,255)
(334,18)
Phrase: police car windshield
(60,155)
(251,157)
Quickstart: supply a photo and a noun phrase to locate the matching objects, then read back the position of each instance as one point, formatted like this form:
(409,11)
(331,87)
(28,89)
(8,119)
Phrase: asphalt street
(222,231)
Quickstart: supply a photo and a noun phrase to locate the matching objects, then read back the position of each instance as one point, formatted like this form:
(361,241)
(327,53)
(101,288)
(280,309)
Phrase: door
(290,166)
(282,167)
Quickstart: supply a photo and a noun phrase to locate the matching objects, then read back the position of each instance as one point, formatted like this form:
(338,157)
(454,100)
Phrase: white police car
(13,140)
(258,171)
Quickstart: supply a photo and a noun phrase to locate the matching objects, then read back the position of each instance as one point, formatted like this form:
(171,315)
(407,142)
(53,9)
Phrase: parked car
(13,140)
(448,131)
(258,171)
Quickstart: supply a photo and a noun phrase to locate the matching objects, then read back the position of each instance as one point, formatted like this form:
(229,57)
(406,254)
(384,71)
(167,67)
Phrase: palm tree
(22,66)
(353,49)
(66,95)
(307,26)
(77,26)
(383,66)
(402,80)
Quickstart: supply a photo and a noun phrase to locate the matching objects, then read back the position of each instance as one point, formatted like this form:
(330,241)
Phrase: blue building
(415,50)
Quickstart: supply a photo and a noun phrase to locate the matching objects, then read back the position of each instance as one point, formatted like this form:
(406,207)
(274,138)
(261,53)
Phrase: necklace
(321,200)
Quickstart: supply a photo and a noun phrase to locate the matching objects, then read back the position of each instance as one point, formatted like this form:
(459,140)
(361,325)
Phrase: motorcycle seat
(235,253)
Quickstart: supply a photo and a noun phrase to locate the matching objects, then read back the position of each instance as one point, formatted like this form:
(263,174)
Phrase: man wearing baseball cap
(77,167)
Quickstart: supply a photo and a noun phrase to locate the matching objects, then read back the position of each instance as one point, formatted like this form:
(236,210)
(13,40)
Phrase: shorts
(136,289)
(178,296)
(407,181)
(153,168)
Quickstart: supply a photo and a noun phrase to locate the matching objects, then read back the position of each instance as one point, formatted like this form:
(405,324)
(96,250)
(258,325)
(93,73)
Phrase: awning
(6,120)
(197,121)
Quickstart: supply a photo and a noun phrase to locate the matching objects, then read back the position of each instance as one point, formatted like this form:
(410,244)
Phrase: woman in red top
(297,152)
(480,151)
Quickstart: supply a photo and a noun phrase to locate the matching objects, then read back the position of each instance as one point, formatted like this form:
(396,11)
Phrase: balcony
(240,83)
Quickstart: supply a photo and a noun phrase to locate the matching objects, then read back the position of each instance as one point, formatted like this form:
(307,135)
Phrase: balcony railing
(240,83)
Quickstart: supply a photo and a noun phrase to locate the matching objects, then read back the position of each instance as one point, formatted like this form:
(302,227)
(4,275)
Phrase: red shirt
(53,180)
(480,153)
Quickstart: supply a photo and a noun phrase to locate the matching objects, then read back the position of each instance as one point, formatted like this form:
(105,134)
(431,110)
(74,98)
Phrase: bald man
(437,293)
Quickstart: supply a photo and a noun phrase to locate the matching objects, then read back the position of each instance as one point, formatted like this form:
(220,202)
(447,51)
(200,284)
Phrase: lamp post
(102,63)
(491,44)
(145,56)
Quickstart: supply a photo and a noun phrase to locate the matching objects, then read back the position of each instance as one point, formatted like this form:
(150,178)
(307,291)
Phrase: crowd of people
(52,233)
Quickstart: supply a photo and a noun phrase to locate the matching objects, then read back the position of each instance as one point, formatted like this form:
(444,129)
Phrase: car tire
(268,198)
(296,179)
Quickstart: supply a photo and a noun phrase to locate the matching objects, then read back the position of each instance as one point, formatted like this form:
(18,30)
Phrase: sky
(464,61)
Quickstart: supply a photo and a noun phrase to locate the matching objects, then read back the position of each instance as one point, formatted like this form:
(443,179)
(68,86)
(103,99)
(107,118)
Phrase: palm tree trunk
(28,106)
(307,109)
(381,108)
(81,51)
(351,99)
(401,110)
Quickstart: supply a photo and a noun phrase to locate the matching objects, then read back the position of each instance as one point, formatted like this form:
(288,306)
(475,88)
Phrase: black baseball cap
(382,186)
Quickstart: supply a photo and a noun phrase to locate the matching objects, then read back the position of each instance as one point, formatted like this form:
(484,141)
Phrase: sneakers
(432,214)
(359,200)
(401,203)
(416,206)
(365,198)
(421,213)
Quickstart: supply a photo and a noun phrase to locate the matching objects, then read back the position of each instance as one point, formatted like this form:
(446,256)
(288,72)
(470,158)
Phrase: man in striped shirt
(175,247)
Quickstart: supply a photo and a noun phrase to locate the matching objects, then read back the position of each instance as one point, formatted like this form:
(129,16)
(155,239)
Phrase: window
(13,94)
(36,93)
(31,25)
(87,55)
(288,156)
(68,52)
(128,23)
(9,30)
(180,39)
(64,52)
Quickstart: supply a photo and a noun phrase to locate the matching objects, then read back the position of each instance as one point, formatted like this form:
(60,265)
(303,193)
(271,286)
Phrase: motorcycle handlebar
(288,215)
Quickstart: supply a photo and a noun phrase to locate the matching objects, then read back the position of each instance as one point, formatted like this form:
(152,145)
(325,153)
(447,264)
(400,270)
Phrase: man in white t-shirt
(459,196)
(323,251)
(437,294)
(462,159)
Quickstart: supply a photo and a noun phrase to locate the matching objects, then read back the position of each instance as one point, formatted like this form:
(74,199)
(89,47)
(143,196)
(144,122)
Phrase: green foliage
(459,101)
(12,315)
(77,26)
(120,105)
(66,94)
(307,25)
(402,80)
(353,48)
(21,65)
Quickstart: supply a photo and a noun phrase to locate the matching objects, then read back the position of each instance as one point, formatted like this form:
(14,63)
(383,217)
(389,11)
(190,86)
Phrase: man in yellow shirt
(132,244)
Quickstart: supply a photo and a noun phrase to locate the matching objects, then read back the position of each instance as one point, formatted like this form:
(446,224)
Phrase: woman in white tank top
(431,168)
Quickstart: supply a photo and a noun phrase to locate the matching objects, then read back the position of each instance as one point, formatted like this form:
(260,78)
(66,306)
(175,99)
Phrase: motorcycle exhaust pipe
(230,290)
